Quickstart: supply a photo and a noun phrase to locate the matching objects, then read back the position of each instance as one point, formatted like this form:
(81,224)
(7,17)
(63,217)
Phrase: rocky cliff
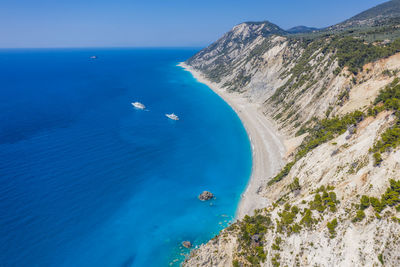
(335,95)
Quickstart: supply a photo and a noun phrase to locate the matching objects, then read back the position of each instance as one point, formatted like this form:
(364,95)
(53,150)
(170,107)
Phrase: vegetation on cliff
(326,129)
(391,198)
(388,99)
(349,52)
(355,53)
(323,131)
(313,66)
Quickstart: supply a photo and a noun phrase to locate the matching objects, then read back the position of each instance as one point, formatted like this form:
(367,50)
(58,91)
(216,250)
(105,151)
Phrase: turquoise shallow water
(86,180)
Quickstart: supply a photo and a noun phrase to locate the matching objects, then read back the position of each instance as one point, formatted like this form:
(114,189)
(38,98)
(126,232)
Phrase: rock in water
(187,244)
(206,196)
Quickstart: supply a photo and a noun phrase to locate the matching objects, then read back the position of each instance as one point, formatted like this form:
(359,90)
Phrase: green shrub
(395,219)
(260,253)
(337,71)
(295,185)
(296,228)
(380,258)
(389,139)
(377,158)
(390,100)
(332,227)
(253,260)
(307,219)
(285,171)
(276,244)
(327,200)
(373,111)
(295,210)
(275,260)
(320,189)
(250,226)
(377,204)
(330,188)
(392,194)
(364,202)
(390,198)
(360,215)
(287,218)
(389,92)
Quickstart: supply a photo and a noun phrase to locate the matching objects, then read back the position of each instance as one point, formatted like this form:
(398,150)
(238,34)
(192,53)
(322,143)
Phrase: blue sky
(105,23)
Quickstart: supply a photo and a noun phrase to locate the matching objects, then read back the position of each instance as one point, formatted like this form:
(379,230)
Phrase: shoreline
(267,145)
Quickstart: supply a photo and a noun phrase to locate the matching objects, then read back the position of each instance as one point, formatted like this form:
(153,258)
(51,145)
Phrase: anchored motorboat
(172,116)
(138,105)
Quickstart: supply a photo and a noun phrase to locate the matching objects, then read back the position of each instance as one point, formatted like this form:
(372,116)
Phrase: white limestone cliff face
(258,67)
(231,65)
(347,165)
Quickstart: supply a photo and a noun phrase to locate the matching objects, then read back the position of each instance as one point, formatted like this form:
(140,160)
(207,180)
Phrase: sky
(155,23)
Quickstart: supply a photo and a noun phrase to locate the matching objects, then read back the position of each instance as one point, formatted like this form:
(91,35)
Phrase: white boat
(172,116)
(138,105)
(93,57)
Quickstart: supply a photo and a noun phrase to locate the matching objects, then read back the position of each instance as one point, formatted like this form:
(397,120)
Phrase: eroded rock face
(264,69)
(352,129)
(206,196)
(352,174)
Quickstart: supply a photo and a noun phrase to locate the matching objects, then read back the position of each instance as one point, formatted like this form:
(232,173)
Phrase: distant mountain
(302,29)
(372,16)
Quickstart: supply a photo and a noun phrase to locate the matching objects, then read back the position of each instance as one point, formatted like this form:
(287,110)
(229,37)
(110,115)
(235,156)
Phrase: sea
(88,180)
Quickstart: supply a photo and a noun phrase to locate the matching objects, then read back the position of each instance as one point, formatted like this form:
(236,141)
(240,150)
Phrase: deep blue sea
(87,180)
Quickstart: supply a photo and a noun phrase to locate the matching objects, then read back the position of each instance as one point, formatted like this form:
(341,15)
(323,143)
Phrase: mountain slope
(216,60)
(378,14)
(386,10)
(335,96)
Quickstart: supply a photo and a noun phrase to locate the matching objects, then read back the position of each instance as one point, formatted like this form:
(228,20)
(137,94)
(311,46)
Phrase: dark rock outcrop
(187,244)
(206,196)
(352,129)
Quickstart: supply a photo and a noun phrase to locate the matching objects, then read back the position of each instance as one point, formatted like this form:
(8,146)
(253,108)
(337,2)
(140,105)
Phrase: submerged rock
(187,244)
(206,196)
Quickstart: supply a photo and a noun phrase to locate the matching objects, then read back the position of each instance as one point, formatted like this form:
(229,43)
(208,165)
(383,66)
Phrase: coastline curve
(267,144)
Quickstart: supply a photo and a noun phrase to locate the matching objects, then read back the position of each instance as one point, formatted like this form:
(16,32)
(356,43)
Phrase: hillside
(373,16)
(335,96)
(386,10)
(301,29)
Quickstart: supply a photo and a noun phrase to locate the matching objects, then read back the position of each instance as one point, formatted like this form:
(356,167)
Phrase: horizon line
(101,47)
